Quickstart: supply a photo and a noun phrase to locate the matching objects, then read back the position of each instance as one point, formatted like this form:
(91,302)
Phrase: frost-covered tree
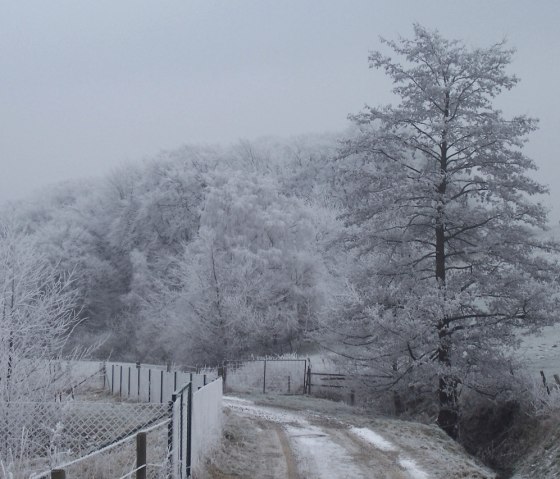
(37,314)
(252,281)
(441,215)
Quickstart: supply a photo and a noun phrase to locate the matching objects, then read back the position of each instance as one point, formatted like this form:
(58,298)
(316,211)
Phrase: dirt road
(272,442)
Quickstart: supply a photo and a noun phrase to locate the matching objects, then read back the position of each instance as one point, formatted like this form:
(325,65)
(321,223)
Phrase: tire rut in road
(379,464)
(291,466)
(326,452)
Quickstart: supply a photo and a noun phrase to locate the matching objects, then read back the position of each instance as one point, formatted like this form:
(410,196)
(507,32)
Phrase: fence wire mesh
(119,462)
(87,423)
(284,376)
(38,436)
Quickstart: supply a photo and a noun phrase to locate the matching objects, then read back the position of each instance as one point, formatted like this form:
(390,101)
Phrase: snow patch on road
(382,444)
(267,413)
(234,399)
(373,438)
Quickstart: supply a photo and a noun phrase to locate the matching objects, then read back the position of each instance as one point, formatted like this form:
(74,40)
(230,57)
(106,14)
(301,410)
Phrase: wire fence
(279,375)
(35,436)
(119,459)
(97,439)
(193,400)
(149,383)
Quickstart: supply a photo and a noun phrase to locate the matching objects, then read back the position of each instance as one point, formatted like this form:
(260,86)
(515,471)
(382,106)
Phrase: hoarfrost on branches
(440,212)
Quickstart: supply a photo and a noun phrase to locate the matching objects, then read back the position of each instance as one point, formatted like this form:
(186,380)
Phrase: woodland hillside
(197,255)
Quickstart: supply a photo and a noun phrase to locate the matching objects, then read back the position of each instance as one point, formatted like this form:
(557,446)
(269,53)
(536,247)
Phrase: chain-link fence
(97,438)
(120,459)
(41,436)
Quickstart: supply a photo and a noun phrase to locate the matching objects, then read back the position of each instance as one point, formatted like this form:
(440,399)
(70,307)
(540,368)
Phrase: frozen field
(542,353)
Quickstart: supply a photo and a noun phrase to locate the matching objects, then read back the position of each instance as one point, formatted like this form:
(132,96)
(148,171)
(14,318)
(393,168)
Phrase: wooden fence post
(140,455)
(58,474)
(544,382)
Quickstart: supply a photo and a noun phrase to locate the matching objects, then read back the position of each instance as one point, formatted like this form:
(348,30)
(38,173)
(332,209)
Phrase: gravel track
(265,442)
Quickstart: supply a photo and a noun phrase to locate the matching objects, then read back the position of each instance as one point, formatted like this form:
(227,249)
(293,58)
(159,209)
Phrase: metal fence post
(112,379)
(129,373)
(141,455)
(120,382)
(305,376)
(138,367)
(309,379)
(264,377)
(189,427)
(170,445)
(161,387)
(149,385)
(181,431)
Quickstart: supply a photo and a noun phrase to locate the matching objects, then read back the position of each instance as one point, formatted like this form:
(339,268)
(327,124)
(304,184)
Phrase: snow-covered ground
(307,438)
(542,352)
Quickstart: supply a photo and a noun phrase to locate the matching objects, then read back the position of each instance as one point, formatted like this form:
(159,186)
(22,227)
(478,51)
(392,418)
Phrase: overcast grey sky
(86,85)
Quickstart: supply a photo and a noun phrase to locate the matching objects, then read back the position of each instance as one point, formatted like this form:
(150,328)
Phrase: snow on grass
(373,438)
(382,444)
(264,412)
(237,400)
(541,352)
(410,466)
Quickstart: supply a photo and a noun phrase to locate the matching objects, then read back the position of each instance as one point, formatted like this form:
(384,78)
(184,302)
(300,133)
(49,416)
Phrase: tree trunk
(448,417)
